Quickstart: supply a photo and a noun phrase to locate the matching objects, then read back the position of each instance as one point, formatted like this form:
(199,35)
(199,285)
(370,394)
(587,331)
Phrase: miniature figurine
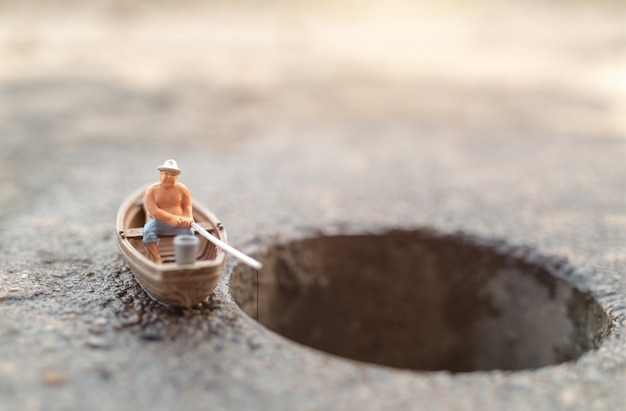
(169,208)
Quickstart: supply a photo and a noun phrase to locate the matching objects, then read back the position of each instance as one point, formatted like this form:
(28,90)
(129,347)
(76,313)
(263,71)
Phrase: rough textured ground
(504,121)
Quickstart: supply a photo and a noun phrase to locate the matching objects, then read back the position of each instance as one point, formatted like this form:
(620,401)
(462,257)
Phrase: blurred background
(327,83)
(322,62)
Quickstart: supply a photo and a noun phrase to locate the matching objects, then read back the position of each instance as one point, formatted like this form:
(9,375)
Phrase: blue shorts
(154,228)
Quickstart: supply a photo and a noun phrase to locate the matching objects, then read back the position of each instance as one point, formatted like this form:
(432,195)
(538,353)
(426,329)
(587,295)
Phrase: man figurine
(168,204)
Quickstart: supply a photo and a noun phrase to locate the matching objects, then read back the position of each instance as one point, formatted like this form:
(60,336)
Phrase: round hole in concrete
(423,301)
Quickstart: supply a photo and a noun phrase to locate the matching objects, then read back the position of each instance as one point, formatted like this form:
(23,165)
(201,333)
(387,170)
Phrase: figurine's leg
(154,252)
(151,238)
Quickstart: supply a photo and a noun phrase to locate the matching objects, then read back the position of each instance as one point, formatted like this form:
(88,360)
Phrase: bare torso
(168,199)
(168,202)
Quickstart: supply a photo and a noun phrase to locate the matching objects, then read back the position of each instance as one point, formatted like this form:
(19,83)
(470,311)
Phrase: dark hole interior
(421,301)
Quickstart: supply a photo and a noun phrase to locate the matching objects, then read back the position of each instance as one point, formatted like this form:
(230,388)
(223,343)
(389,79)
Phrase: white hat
(170,165)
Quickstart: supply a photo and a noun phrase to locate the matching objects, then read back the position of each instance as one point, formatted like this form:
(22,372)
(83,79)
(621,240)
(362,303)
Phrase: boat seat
(137,232)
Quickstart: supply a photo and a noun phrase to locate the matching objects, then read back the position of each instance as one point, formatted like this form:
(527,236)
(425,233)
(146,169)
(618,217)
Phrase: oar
(236,253)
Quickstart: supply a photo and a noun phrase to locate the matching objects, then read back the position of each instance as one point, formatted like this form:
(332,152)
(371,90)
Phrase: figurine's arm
(186,203)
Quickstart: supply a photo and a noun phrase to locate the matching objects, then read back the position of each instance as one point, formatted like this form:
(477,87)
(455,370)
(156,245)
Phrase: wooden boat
(179,285)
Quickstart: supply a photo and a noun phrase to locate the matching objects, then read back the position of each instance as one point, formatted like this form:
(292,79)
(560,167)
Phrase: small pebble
(567,398)
(133,319)
(96,342)
(53,376)
(151,337)
(96,331)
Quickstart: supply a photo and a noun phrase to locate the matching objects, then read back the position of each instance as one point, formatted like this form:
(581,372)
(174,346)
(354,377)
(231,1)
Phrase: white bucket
(186,247)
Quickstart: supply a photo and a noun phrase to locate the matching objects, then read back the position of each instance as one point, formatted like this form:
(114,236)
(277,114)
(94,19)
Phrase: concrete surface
(502,121)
